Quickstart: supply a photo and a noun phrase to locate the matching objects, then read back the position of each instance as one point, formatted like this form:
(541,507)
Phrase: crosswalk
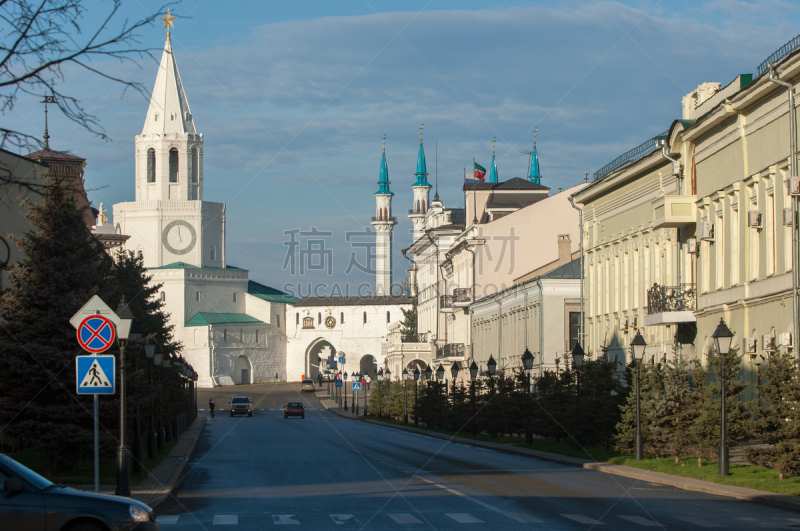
(417,519)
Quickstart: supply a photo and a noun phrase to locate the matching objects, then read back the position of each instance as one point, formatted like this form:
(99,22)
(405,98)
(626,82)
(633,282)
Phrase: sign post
(96,328)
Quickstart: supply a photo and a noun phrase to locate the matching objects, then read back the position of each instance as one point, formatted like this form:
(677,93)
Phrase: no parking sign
(96,334)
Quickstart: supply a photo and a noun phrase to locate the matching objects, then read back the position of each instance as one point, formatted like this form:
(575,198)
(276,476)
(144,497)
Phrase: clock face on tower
(179,237)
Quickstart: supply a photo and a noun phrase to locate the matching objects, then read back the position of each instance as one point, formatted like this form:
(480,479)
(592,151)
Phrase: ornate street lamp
(454,374)
(439,378)
(723,337)
(577,361)
(353,378)
(638,346)
(428,372)
(405,396)
(473,372)
(128,329)
(416,407)
(380,379)
(344,386)
(491,365)
(527,364)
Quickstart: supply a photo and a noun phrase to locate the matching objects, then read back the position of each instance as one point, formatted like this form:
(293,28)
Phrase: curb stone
(784,501)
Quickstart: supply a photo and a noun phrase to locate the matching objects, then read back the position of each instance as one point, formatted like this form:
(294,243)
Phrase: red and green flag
(480,171)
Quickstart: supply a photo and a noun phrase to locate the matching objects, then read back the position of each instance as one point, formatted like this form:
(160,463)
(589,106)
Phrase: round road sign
(96,334)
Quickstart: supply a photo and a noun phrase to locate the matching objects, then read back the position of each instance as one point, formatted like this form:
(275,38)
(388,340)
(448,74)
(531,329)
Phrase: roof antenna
(586,177)
(47,99)
(436,195)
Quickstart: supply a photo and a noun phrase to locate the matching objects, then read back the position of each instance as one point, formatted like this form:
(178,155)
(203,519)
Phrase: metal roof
(206,319)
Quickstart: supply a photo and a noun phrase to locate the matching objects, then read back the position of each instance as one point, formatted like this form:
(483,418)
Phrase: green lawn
(82,472)
(753,477)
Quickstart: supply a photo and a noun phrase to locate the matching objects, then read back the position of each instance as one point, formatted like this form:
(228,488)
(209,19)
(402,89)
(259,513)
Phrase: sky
(293,99)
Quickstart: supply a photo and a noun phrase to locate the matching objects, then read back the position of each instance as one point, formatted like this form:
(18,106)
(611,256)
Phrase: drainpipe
(676,169)
(583,317)
(499,325)
(793,161)
(416,291)
(541,322)
(437,286)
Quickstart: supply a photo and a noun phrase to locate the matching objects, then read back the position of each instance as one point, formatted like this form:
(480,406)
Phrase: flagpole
(474,195)
(465,190)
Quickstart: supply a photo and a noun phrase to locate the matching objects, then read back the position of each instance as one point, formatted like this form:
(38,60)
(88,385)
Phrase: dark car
(29,502)
(240,405)
(294,409)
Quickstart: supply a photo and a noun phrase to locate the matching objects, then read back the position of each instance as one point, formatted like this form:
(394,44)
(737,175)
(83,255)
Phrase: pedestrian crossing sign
(356,386)
(95,375)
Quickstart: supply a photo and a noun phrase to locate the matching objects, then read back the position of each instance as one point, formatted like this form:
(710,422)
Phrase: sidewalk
(696,485)
(163,478)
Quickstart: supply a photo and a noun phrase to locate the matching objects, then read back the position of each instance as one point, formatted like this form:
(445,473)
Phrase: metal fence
(445,301)
(451,350)
(629,157)
(462,295)
(662,299)
(779,54)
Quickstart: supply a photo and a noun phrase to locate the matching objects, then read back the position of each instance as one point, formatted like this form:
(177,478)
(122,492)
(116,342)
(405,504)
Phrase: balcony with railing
(446,303)
(391,219)
(451,350)
(462,297)
(671,304)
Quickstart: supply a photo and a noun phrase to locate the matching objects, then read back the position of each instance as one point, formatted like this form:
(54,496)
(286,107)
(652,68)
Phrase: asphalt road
(328,472)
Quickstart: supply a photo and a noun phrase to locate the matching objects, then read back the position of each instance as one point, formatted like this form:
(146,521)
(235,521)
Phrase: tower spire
(436,195)
(46,100)
(533,164)
(422,170)
(168,22)
(493,169)
(383,177)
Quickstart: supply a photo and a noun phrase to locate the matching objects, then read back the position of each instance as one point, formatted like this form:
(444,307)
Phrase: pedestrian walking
(211,406)
(369,381)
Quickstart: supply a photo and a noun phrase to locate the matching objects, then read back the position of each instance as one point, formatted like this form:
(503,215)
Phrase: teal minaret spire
(493,169)
(533,165)
(422,171)
(383,178)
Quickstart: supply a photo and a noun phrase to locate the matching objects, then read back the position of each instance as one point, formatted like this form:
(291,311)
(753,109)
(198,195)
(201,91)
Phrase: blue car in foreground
(30,502)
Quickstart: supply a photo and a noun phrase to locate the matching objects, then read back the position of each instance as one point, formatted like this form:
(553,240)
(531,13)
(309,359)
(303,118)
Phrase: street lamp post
(379,377)
(577,361)
(439,378)
(128,329)
(491,365)
(527,364)
(637,349)
(387,376)
(354,402)
(454,374)
(473,372)
(416,408)
(344,386)
(405,396)
(428,376)
(722,340)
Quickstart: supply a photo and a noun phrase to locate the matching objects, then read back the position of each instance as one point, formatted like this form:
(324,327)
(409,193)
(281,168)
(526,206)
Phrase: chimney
(564,248)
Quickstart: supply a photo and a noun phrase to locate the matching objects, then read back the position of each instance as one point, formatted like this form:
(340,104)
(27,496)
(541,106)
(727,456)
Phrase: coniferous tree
(64,266)
(408,326)
(706,428)
(777,421)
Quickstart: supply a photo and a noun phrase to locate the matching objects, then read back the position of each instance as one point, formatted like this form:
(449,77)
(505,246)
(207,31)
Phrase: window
(365,317)
(574,329)
(341,318)
(173,165)
(388,316)
(319,318)
(163,296)
(278,320)
(241,335)
(197,295)
(234,296)
(195,165)
(151,165)
(213,253)
(297,319)
(256,335)
(225,334)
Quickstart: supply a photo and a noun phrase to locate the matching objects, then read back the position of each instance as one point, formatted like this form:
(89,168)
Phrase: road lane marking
(284,519)
(168,519)
(404,518)
(525,518)
(699,522)
(464,518)
(226,519)
(641,521)
(583,519)
(341,519)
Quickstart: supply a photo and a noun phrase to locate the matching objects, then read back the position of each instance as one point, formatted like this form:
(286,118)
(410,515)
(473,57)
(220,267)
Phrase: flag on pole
(480,171)
(469,178)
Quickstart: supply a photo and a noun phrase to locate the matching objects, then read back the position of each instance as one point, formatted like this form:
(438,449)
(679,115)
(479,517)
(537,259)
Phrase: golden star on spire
(168,20)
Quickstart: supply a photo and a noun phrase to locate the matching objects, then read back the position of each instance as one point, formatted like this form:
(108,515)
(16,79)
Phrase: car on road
(240,405)
(294,409)
(307,385)
(30,502)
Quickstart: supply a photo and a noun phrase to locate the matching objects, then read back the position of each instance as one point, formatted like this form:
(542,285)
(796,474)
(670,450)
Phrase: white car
(307,385)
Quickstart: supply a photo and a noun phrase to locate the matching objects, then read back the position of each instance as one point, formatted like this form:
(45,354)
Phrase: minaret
(169,152)
(533,165)
(383,223)
(422,192)
(493,169)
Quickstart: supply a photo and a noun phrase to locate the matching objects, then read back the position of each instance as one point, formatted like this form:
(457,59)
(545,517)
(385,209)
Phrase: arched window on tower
(365,317)
(195,165)
(319,318)
(151,165)
(386,214)
(173,165)
(417,210)
(388,317)
(423,206)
